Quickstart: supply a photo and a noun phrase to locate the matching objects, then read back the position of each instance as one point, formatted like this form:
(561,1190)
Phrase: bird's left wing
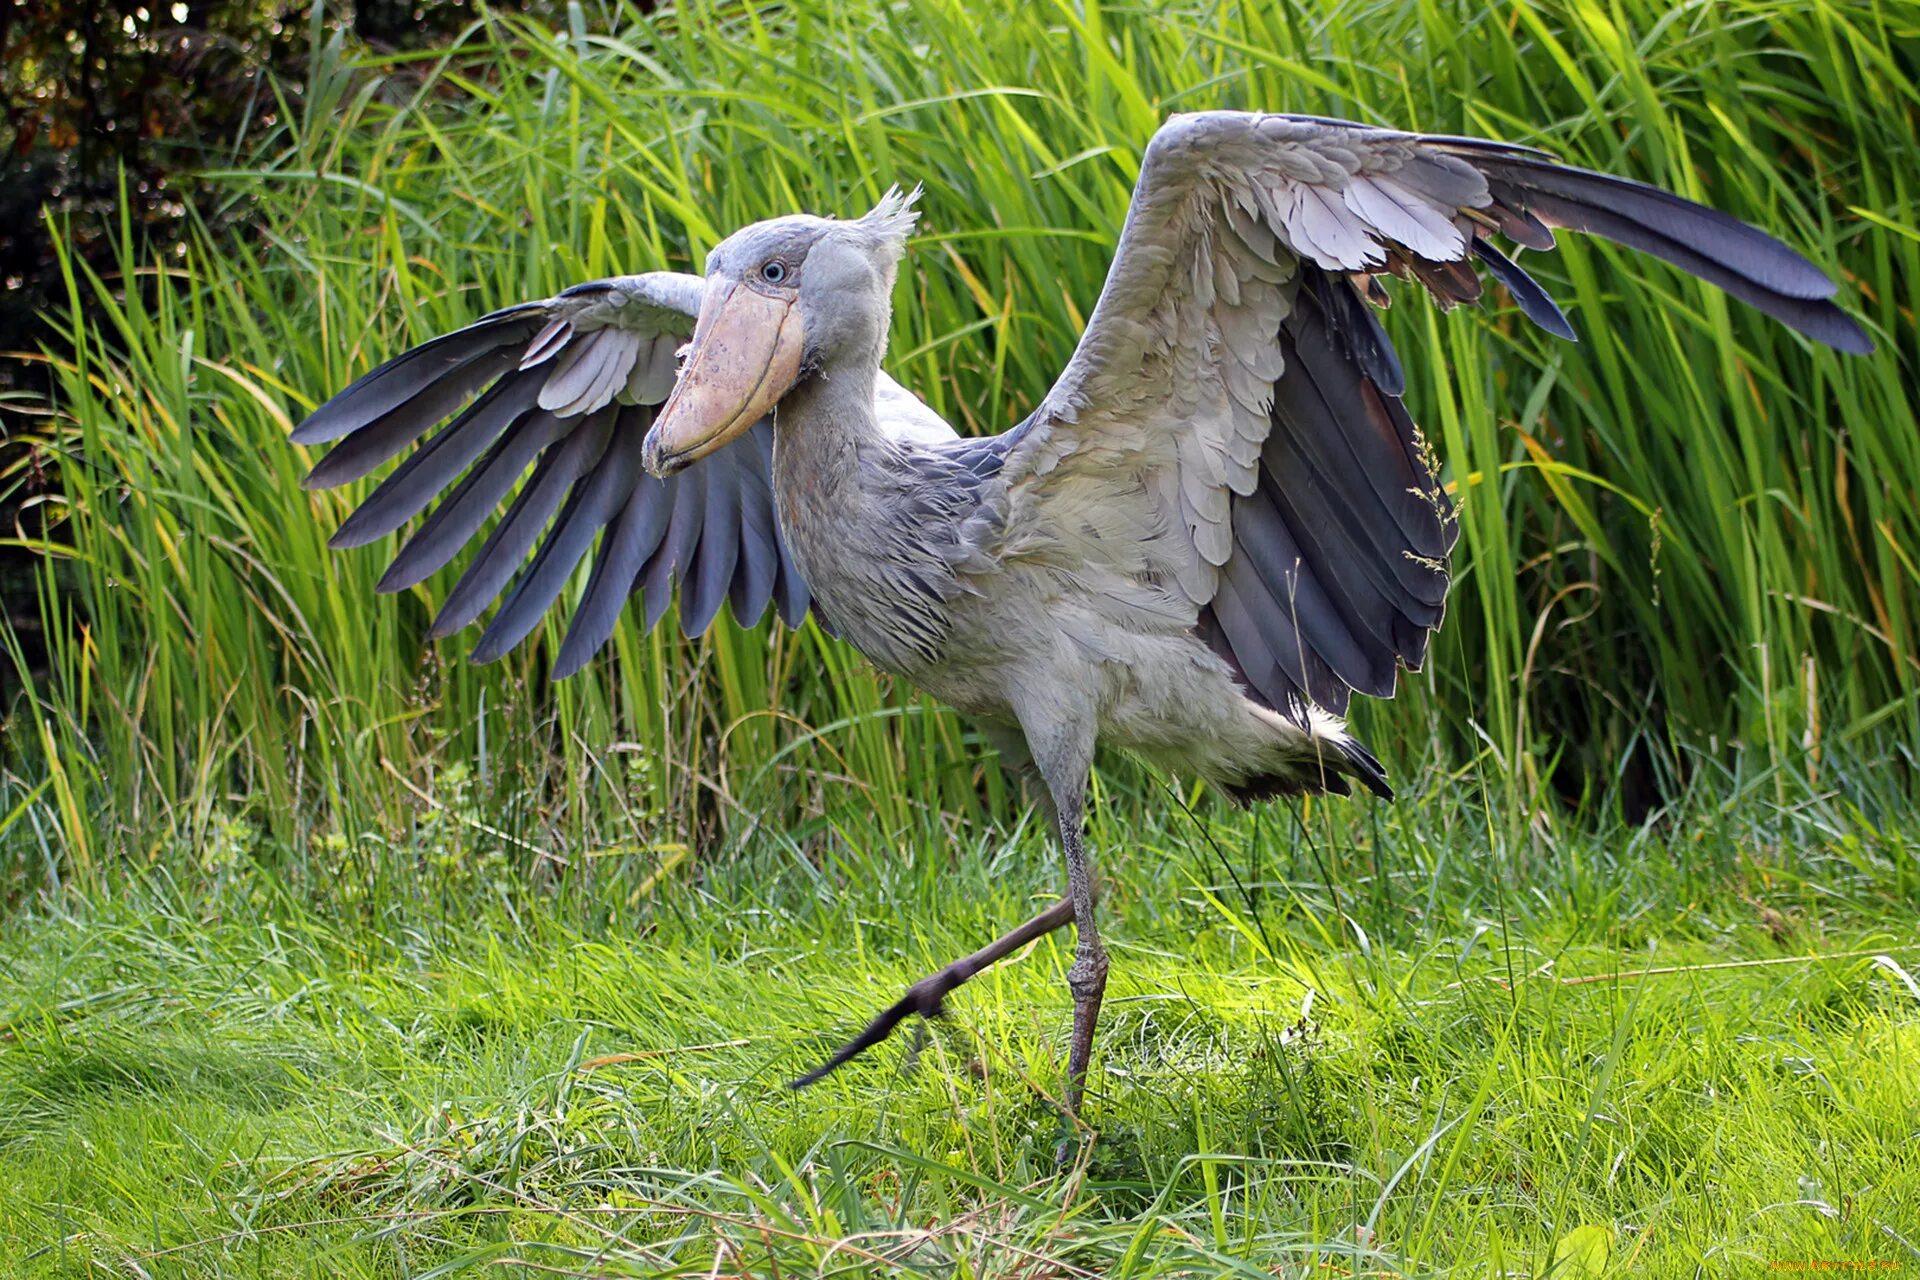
(1227,447)
(568,387)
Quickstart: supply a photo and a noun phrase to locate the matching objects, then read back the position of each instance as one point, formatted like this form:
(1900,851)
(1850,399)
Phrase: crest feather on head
(892,220)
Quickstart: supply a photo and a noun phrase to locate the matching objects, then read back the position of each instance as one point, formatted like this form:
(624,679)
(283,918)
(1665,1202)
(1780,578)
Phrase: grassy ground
(1361,1038)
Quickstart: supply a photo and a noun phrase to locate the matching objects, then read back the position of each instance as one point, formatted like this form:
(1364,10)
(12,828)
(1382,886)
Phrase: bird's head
(783,299)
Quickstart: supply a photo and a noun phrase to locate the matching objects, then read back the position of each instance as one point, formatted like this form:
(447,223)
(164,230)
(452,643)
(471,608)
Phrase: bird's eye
(774,272)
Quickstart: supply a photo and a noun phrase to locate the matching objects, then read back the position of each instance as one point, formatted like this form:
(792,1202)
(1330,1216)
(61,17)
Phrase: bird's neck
(857,520)
(824,430)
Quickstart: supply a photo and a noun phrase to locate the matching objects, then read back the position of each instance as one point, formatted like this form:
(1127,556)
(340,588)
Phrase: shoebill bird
(1217,527)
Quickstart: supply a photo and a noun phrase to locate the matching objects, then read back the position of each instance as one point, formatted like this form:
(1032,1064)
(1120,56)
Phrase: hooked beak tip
(654,457)
(746,354)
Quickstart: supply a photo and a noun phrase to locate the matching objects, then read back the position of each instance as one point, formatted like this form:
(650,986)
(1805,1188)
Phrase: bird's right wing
(568,387)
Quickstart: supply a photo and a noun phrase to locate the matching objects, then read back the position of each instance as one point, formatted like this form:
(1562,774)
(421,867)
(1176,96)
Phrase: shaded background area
(98,93)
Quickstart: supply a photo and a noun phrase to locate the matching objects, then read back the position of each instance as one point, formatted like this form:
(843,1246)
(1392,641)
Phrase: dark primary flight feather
(569,388)
(1337,574)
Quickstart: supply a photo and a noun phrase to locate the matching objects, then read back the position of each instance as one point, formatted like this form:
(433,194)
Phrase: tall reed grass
(1688,534)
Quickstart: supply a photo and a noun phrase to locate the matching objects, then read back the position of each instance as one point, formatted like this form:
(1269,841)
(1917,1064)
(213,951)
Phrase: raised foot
(925,997)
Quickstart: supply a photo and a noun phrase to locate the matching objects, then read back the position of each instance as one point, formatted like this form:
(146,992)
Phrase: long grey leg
(926,996)
(1060,734)
(1087,979)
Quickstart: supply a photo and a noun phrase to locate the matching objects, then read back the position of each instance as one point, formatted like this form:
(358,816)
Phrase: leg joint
(1088,976)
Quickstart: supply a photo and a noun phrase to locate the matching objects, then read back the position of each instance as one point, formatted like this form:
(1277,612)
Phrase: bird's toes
(1069,1148)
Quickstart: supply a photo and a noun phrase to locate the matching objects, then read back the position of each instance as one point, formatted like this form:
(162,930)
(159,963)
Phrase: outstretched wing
(1227,445)
(568,388)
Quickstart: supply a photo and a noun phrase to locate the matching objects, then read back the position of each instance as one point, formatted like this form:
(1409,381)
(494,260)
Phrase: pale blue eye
(774,272)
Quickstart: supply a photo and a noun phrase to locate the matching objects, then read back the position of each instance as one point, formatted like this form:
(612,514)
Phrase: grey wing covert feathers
(571,385)
(1228,442)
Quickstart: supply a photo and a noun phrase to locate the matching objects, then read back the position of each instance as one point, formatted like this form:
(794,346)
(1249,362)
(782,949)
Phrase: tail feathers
(1341,756)
(1366,766)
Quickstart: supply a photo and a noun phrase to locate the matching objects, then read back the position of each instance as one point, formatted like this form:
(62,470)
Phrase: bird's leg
(1087,979)
(926,996)
(1060,728)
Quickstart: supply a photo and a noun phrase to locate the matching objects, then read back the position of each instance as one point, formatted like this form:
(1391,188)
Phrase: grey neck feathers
(825,429)
(871,535)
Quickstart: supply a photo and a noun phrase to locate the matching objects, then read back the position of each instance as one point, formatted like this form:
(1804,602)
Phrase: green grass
(1627,1040)
(311,929)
